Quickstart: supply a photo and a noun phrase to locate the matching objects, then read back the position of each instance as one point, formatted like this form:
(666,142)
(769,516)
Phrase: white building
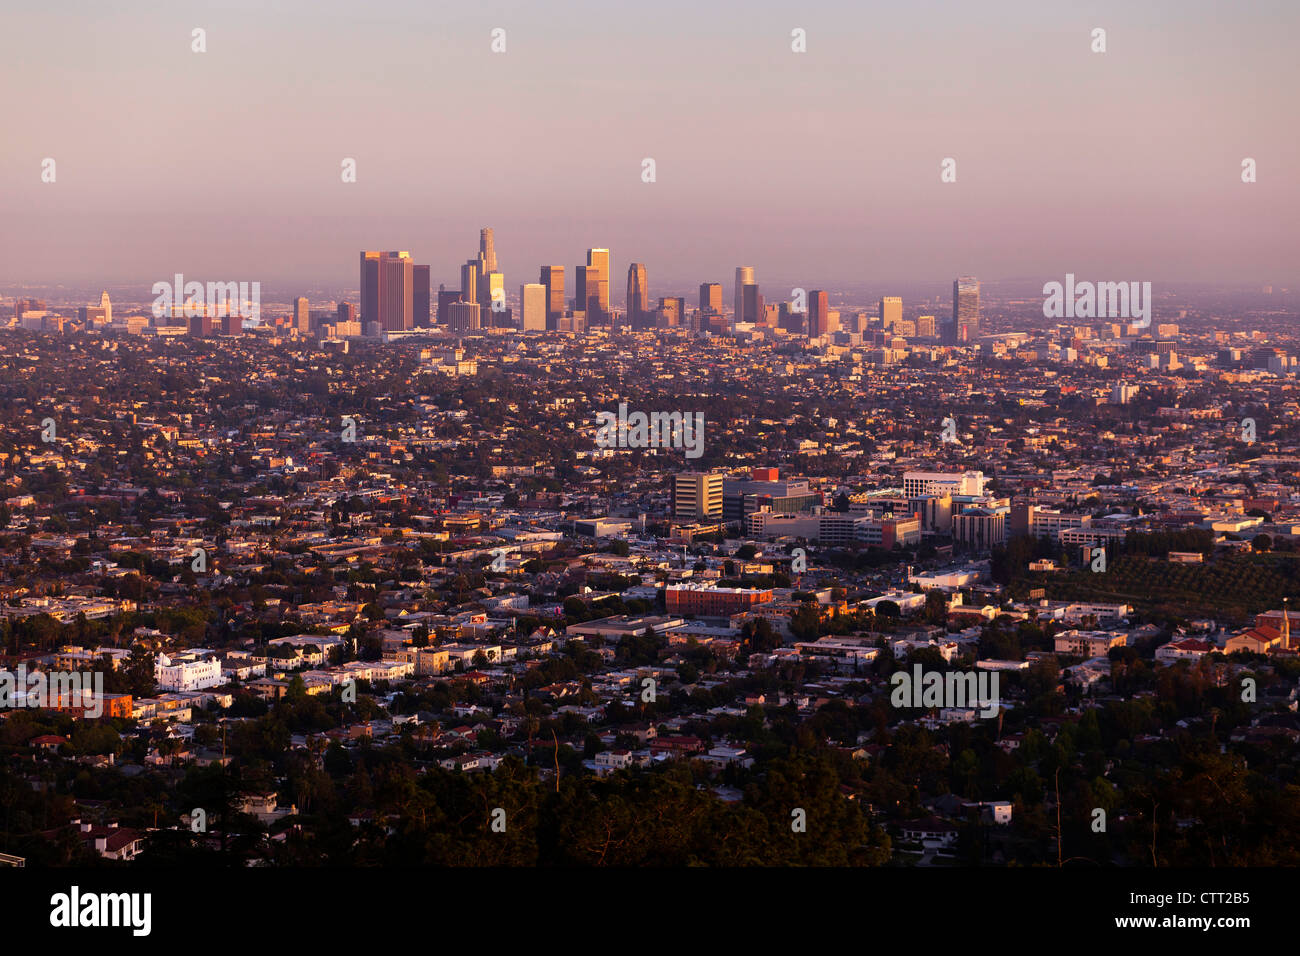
(187,670)
(917,483)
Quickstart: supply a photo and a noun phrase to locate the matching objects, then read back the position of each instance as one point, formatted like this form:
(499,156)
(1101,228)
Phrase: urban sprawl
(451,576)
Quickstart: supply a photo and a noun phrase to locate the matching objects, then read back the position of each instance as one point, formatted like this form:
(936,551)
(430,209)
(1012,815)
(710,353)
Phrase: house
(607,761)
(1186,649)
(931,832)
(111,842)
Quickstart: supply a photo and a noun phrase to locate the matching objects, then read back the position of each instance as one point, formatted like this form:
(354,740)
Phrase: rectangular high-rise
(638,297)
(397,278)
(301,315)
(891,312)
(744,277)
(463,317)
(421,286)
(469,275)
(597,279)
(697,495)
(491,292)
(370,286)
(553,278)
(965,325)
(753,302)
(532,306)
(387,289)
(445,298)
(710,296)
(818,310)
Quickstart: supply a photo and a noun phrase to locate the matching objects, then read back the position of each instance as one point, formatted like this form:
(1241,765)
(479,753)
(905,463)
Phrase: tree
(888,609)
(139,672)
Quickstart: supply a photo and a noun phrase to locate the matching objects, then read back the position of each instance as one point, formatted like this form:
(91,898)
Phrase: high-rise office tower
(891,312)
(421,286)
(965,325)
(301,315)
(445,298)
(744,277)
(387,284)
(925,327)
(553,278)
(491,288)
(598,282)
(346,312)
(818,308)
(532,306)
(710,296)
(370,286)
(586,292)
(107,306)
(397,278)
(638,296)
(487,250)
(697,494)
(753,302)
(671,312)
(469,274)
(463,316)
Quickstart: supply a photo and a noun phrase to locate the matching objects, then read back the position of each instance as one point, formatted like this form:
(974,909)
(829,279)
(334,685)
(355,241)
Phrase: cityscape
(336,537)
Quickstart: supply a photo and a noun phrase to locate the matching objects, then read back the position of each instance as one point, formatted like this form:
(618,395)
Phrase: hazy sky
(825,165)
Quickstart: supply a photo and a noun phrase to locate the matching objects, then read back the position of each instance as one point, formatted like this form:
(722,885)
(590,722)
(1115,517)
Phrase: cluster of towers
(395,295)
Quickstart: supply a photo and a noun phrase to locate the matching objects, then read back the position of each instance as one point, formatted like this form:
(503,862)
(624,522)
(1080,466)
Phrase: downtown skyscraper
(744,277)
(552,278)
(387,291)
(891,312)
(593,286)
(638,297)
(818,313)
(965,324)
